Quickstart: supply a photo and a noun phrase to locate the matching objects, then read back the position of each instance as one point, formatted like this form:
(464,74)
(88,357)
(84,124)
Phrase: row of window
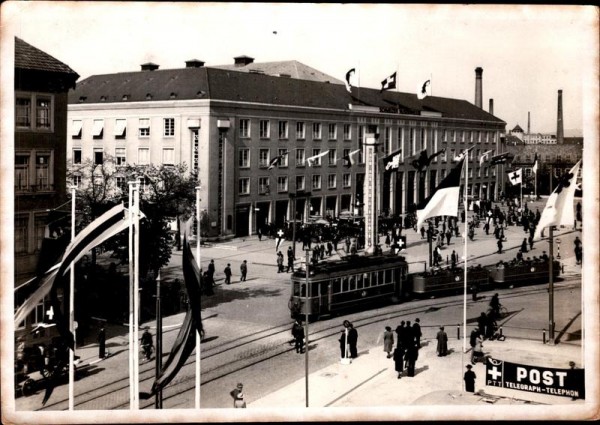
(264,157)
(546,157)
(21,234)
(34,171)
(264,130)
(355,282)
(264,183)
(143,156)
(120,128)
(34,111)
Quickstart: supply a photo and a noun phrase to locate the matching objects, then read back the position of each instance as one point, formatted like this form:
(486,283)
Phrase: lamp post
(306,326)
(158,401)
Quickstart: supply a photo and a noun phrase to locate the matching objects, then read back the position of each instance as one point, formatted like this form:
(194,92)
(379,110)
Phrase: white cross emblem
(496,374)
(401,242)
(280,233)
(50,313)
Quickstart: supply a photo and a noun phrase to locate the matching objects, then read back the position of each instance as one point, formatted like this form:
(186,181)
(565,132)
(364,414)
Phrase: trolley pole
(306,326)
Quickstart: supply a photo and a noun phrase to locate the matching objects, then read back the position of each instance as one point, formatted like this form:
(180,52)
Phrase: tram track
(222,360)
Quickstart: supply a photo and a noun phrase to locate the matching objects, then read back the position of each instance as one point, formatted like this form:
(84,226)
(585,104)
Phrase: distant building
(41,86)
(228,123)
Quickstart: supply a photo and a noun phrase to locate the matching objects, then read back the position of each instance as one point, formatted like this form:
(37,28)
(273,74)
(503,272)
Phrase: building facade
(229,126)
(41,86)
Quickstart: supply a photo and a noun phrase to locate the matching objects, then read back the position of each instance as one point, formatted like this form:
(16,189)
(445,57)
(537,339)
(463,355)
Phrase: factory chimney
(492,106)
(560,131)
(478,86)
(528,122)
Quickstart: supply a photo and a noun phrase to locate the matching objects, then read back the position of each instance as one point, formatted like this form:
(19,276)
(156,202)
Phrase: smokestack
(478,86)
(560,131)
(492,106)
(528,122)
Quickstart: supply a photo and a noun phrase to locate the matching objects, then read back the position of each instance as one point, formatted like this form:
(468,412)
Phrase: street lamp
(158,401)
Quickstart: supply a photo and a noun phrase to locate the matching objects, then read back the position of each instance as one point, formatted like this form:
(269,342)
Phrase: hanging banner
(543,380)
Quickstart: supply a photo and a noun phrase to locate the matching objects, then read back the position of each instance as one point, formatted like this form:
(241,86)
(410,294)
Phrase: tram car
(354,281)
(513,274)
(446,281)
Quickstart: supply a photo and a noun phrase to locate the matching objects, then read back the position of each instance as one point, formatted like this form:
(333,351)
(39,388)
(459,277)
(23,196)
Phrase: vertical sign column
(370,194)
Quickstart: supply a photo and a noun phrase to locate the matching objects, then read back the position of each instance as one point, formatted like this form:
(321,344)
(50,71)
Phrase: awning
(98,127)
(76,128)
(120,127)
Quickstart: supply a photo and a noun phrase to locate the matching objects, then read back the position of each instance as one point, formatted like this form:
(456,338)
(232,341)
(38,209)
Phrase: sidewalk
(371,381)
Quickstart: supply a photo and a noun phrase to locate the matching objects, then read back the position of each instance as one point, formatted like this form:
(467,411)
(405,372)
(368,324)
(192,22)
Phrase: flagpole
(465,201)
(131,260)
(72,307)
(136,295)
(198,353)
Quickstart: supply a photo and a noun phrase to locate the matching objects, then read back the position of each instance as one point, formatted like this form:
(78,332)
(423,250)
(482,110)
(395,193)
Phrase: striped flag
(559,208)
(500,158)
(535,164)
(349,160)
(310,161)
(392,161)
(444,199)
(276,161)
(484,156)
(388,83)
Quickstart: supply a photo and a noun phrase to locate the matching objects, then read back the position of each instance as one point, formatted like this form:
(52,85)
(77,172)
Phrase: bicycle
(146,352)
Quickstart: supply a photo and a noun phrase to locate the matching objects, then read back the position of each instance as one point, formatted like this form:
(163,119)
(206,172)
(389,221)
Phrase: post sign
(542,380)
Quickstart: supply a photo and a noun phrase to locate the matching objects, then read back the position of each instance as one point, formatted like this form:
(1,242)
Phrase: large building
(41,86)
(228,123)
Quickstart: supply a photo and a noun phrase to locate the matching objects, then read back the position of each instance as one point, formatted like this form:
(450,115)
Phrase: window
(282,184)
(263,186)
(43,113)
(168,156)
(347,180)
(316,133)
(300,182)
(120,158)
(244,128)
(331,181)
(98,156)
(42,171)
(143,156)
(76,127)
(97,129)
(76,180)
(332,156)
(387,140)
(332,131)
(316,182)
(244,158)
(300,130)
(263,158)
(169,127)
(300,157)
(347,132)
(120,128)
(244,186)
(21,172)
(23,111)
(283,129)
(121,183)
(412,141)
(284,158)
(20,234)
(263,129)
(76,156)
(317,161)
(144,127)
(423,139)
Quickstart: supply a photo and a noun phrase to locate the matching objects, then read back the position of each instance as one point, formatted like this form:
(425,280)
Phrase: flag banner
(500,158)
(424,90)
(42,285)
(276,161)
(392,161)
(311,161)
(389,83)
(104,227)
(349,160)
(280,239)
(444,199)
(559,207)
(484,157)
(516,177)
(535,164)
(423,161)
(185,342)
(537,379)
(462,155)
(348,76)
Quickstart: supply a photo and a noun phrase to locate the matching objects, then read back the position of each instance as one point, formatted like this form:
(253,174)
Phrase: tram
(445,281)
(513,273)
(354,281)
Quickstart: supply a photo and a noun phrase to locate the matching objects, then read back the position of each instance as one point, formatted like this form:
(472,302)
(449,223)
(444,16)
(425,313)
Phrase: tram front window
(303,290)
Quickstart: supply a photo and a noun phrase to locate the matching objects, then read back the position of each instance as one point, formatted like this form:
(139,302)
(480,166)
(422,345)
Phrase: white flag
(424,90)
(310,161)
(516,177)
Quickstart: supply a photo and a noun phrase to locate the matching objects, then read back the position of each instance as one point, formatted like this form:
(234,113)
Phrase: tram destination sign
(542,380)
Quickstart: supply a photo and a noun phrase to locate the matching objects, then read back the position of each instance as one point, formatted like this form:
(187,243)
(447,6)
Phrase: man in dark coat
(243,270)
(342,341)
(412,353)
(469,379)
(482,322)
(298,334)
(227,272)
(101,343)
(442,342)
(290,263)
(352,340)
(417,332)
(399,361)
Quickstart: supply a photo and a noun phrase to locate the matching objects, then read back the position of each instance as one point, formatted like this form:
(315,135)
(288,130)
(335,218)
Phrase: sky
(527,53)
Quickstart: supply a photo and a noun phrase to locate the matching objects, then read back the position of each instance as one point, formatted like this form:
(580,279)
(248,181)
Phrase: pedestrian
(473,342)
(387,240)
(412,354)
(298,334)
(279,262)
(407,336)
(530,242)
(545,256)
(259,233)
(579,254)
(469,379)
(101,343)
(500,245)
(329,248)
(442,342)
(227,272)
(400,333)
(474,290)
(238,397)
(388,341)
(399,360)
(347,245)
(211,270)
(352,340)
(417,332)
(448,236)
(243,270)
(524,245)
(478,349)
(422,232)
(343,343)
(453,259)
(490,326)
(482,321)
(290,256)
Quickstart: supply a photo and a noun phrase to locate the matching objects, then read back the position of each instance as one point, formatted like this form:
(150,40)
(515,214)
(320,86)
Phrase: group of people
(208,277)
(348,340)
(408,343)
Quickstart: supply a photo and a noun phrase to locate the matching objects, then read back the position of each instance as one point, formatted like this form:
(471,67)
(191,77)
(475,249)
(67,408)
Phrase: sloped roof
(230,85)
(517,129)
(292,68)
(31,58)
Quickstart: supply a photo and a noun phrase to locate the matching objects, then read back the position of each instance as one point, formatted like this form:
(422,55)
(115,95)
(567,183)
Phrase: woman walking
(388,341)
